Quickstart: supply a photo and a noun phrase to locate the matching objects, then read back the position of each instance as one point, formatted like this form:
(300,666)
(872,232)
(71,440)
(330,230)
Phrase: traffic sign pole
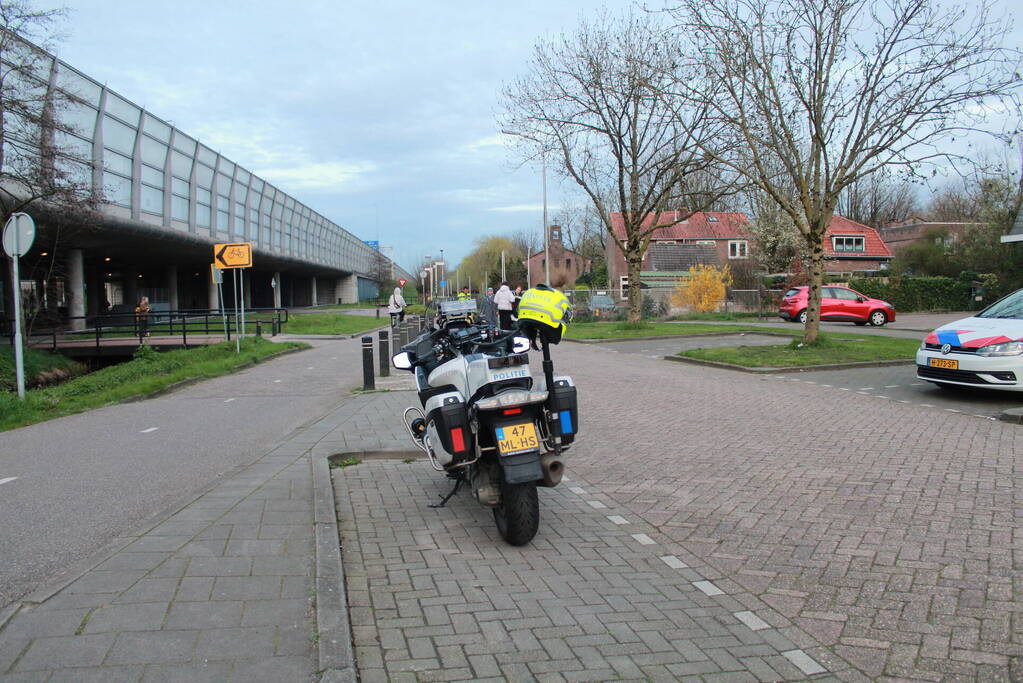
(18,236)
(241,279)
(19,358)
(237,337)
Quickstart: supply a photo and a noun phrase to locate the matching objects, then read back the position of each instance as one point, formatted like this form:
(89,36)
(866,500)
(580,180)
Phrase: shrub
(703,289)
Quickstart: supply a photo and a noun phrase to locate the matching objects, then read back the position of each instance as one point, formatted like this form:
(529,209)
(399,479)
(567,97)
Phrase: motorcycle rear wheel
(518,515)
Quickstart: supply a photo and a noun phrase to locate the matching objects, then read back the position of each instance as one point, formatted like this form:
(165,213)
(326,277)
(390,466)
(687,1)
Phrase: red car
(838,304)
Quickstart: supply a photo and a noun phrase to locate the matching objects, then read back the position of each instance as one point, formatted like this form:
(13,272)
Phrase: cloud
(318,176)
(514,208)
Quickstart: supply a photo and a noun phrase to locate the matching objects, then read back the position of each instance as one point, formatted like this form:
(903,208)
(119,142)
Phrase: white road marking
(952,410)
(577,490)
(805,663)
(596,504)
(866,388)
(277,381)
(674,562)
(901,401)
(309,368)
(879,396)
(228,400)
(7,480)
(891,386)
(151,429)
(708,588)
(617,519)
(926,405)
(845,388)
(643,539)
(754,622)
(826,385)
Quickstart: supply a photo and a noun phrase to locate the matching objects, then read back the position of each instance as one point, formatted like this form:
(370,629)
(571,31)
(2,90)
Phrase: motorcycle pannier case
(446,412)
(564,408)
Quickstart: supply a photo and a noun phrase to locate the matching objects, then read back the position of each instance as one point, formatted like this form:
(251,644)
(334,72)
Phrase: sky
(381,116)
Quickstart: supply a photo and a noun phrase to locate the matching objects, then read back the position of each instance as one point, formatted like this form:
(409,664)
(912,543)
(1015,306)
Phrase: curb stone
(803,368)
(1012,415)
(616,340)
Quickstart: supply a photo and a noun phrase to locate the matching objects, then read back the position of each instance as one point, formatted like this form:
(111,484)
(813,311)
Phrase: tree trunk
(635,292)
(813,305)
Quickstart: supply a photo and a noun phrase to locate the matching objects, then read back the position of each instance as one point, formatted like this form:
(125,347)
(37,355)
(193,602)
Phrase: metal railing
(117,327)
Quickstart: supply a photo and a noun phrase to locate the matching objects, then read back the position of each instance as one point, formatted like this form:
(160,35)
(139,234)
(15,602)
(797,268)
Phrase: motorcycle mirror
(520,344)
(401,361)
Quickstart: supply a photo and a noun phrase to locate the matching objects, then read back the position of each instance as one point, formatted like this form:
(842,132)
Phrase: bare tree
(43,165)
(878,199)
(832,92)
(598,100)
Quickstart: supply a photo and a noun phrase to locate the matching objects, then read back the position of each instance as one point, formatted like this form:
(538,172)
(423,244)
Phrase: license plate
(520,438)
(945,363)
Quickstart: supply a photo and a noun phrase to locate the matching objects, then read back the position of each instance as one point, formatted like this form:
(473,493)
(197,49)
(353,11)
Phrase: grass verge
(41,367)
(148,372)
(827,350)
(627,330)
(332,323)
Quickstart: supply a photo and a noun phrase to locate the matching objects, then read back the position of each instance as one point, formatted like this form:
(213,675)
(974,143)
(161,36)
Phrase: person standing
(396,307)
(142,316)
(504,300)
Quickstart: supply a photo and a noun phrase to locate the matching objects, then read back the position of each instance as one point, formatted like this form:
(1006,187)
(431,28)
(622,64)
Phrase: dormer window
(712,219)
(847,244)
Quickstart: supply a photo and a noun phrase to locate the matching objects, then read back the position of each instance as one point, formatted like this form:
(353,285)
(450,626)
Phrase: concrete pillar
(277,289)
(172,287)
(246,274)
(76,284)
(313,302)
(131,286)
(94,293)
(347,289)
(212,298)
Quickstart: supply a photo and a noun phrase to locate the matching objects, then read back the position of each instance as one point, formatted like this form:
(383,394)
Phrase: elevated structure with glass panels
(167,198)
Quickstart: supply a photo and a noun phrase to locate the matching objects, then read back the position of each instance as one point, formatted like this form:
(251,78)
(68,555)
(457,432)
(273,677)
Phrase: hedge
(917,293)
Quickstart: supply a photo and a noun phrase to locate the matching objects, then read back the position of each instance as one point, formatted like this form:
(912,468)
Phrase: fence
(658,301)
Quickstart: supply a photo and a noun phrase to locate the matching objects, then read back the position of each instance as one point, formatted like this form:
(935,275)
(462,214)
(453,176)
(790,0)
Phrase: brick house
(719,238)
(899,235)
(566,265)
(707,237)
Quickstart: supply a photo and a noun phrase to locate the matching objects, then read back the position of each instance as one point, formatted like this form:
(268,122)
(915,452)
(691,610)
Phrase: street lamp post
(543,167)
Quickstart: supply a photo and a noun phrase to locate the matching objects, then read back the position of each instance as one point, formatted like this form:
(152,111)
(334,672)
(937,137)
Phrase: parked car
(838,304)
(984,350)
(601,305)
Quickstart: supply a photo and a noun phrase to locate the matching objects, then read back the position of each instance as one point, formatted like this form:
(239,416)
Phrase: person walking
(142,317)
(504,300)
(396,307)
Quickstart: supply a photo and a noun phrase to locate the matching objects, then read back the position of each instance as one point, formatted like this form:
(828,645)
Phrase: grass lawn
(829,349)
(331,323)
(39,365)
(150,371)
(626,330)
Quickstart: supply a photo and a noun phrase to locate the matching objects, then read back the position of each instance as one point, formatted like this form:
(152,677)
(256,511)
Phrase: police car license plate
(946,363)
(519,438)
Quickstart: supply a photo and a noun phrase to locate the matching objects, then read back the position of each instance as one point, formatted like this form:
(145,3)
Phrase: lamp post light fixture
(543,167)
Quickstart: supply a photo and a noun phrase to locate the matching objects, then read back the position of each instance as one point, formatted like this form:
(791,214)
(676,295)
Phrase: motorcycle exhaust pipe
(553,469)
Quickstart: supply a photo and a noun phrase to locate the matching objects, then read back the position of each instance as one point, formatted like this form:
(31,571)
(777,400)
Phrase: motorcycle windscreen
(515,438)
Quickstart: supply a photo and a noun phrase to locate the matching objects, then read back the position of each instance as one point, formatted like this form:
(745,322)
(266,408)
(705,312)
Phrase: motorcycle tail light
(458,439)
(511,411)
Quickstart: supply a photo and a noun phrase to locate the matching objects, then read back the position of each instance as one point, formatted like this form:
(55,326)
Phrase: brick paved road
(878,539)
(887,531)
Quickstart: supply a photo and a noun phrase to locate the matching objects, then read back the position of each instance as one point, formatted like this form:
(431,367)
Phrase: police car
(983,351)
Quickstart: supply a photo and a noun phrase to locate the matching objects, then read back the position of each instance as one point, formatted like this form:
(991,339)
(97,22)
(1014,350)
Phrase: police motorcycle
(484,419)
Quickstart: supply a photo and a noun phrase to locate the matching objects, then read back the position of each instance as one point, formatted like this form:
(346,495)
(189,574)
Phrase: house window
(845,245)
(737,249)
(568,263)
(666,242)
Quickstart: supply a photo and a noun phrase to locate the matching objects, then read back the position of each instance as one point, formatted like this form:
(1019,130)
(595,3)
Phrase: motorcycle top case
(564,407)
(448,414)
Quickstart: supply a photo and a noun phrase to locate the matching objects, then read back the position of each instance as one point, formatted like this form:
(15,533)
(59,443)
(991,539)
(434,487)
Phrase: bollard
(259,328)
(404,333)
(367,364)
(378,312)
(385,365)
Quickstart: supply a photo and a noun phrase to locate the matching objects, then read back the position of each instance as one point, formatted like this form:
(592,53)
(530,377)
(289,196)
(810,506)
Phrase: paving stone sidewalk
(223,589)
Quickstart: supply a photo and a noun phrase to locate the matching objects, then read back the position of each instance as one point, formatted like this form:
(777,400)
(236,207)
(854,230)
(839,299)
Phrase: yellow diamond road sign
(232,255)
